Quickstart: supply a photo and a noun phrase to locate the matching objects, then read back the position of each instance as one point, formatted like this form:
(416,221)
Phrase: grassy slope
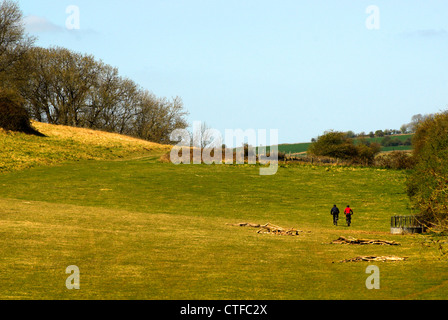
(20,151)
(139,229)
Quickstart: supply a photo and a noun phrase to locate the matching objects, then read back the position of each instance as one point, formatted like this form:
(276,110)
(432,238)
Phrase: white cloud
(36,24)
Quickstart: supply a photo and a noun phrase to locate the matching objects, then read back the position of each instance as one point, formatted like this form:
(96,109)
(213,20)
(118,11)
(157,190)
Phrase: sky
(302,67)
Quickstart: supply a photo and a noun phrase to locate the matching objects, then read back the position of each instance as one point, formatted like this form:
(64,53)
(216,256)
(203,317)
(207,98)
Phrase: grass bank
(67,144)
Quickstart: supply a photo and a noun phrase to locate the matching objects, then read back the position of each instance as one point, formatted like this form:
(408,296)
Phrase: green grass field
(141,229)
(294,148)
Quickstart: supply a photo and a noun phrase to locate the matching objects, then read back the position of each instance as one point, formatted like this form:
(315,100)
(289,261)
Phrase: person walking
(335,213)
(348,215)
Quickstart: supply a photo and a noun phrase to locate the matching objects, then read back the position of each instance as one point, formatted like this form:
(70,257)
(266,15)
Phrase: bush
(427,186)
(333,144)
(389,142)
(386,141)
(379,133)
(407,142)
(338,145)
(281,156)
(13,115)
(395,160)
(366,153)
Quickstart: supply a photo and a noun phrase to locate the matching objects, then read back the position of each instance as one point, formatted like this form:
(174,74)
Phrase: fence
(405,224)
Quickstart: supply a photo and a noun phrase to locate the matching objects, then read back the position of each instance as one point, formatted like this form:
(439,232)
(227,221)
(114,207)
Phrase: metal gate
(405,224)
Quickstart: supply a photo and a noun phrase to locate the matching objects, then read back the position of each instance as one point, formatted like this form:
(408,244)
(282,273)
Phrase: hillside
(61,144)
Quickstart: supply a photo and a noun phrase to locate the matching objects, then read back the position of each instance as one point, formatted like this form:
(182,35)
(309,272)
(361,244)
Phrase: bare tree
(202,136)
(14,43)
(158,117)
(59,84)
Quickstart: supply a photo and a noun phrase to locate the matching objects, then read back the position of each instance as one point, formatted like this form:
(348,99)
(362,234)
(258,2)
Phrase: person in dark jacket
(335,213)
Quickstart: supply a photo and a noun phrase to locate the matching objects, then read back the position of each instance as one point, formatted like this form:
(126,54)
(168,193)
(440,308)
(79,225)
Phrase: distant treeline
(60,86)
(388,141)
(408,128)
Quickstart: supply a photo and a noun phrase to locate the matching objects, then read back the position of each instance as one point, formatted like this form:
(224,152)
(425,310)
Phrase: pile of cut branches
(374,259)
(270,229)
(245,224)
(343,240)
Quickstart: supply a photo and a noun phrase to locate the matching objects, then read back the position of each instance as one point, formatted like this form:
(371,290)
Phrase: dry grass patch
(62,143)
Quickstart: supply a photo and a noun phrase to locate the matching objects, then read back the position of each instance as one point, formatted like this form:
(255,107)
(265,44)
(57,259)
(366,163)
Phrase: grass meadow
(141,229)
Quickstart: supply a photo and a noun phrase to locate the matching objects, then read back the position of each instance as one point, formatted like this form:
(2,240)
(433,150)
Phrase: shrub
(366,153)
(333,144)
(13,115)
(395,160)
(427,186)
(389,142)
(338,145)
(386,141)
(281,156)
(379,133)
(407,142)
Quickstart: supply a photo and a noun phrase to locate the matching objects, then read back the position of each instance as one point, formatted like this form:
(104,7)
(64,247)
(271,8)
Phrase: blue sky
(301,67)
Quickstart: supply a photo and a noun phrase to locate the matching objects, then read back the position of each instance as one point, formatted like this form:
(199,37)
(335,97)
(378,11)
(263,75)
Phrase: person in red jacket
(348,215)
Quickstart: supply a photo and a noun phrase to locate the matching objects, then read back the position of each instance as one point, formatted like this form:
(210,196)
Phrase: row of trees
(394,142)
(407,128)
(412,126)
(60,86)
(371,134)
(379,134)
(69,88)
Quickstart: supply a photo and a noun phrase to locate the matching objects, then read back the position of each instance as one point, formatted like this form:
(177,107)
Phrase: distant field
(303,147)
(291,148)
(402,137)
(294,148)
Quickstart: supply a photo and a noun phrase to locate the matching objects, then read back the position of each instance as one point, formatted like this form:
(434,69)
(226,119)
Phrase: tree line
(407,128)
(59,86)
